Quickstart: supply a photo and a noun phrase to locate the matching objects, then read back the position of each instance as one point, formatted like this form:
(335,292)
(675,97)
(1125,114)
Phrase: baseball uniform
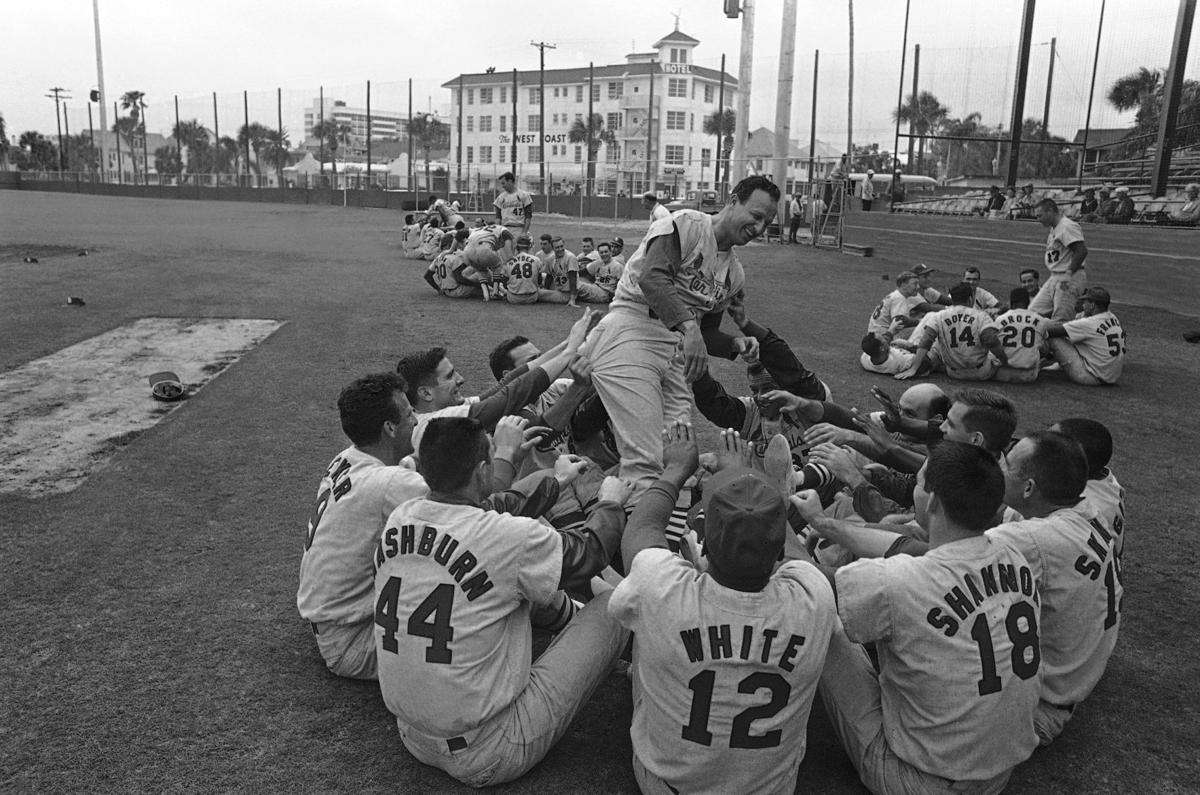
(446,210)
(1058,294)
(898,361)
(431,242)
(410,241)
(1107,496)
(984,300)
(442,268)
(635,368)
(523,274)
(956,631)
(723,680)
(512,207)
(483,247)
(1023,335)
(962,333)
(1100,342)
(454,586)
(1072,557)
(659,212)
(606,274)
(895,304)
(354,500)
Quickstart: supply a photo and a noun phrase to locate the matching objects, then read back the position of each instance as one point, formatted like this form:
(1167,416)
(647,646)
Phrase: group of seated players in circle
(951,588)
(968,334)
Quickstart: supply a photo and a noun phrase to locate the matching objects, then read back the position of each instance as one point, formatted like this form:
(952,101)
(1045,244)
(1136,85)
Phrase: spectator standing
(867,192)
(796,214)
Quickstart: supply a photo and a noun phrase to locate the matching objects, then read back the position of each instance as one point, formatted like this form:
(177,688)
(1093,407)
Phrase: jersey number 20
(431,619)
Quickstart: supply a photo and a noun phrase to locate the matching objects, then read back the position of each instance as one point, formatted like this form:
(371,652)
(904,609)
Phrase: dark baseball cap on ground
(744,528)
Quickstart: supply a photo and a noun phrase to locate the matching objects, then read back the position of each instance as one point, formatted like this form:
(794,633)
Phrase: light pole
(57,94)
(542,47)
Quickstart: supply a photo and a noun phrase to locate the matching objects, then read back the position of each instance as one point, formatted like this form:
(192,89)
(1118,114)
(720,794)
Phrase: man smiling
(684,270)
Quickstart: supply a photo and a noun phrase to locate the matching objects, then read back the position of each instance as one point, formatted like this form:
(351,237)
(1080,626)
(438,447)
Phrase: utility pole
(100,94)
(57,94)
(542,47)
(719,182)
(66,153)
(783,95)
(1087,123)
(591,166)
(514,124)
(745,63)
(850,112)
(650,130)
(912,115)
(1018,108)
(1172,92)
(812,124)
(462,97)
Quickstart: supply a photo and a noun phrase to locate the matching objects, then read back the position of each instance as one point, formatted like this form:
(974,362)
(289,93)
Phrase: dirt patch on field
(67,413)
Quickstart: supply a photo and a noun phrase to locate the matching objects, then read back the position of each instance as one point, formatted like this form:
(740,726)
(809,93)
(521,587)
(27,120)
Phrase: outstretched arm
(648,522)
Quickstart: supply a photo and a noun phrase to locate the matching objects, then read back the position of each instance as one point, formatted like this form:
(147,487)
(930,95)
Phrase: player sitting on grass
(1073,559)
(1091,348)
(905,304)
(562,273)
(431,238)
(707,645)
(410,236)
(360,488)
(1103,490)
(981,298)
(447,273)
(956,632)
(887,355)
(965,336)
(485,251)
(457,587)
(1023,335)
(605,270)
(522,274)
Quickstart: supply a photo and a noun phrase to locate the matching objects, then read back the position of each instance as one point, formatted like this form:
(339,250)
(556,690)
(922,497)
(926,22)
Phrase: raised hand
(839,461)
(509,437)
(615,489)
(733,450)
(681,457)
(567,468)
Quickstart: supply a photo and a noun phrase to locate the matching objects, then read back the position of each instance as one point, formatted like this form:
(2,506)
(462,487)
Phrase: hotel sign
(677,68)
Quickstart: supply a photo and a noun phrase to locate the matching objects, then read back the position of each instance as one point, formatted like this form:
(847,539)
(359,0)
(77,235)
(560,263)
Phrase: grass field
(151,638)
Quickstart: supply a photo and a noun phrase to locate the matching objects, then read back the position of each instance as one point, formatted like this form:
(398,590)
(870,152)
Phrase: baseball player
(897,305)
(1023,335)
(514,208)
(446,211)
(651,203)
(446,273)
(930,293)
(684,269)
(455,590)
(726,662)
(431,239)
(605,270)
(1073,559)
(1103,490)
(562,270)
(486,250)
(1091,348)
(360,489)
(982,298)
(523,274)
(1065,254)
(410,237)
(587,252)
(965,336)
(881,354)
(957,635)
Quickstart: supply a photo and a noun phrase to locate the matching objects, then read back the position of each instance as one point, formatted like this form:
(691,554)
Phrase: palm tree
(253,136)
(4,144)
(135,103)
(226,155)
(428,131)
(593,134)
(926,114)
(723,124)
(275,149)
(332,132)
(1132,90)
(192,135)
(127,127)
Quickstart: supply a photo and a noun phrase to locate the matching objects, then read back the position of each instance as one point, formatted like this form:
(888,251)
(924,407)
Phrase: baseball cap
(1121,189)
(922,269)
(1096,295)
(744,527)
(619,240)
(524,241)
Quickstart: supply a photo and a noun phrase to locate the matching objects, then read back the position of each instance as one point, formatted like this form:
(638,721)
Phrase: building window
(595,92)
(705,158)
(579,154)
(613,121)
(556,92)
(554,150)
(676,119)
(691,122)
(612,152)
(578,117)
(535,154)
(615,90)
(470,96)
(677,87)
(503,124)
(535,96)
(503,94)
(485,96)
(673,155)
(579,93)
(485,123)
(708,93)
(457,97)
(678,55)
(470,155)
(485,154)
(535,123)
(470,124)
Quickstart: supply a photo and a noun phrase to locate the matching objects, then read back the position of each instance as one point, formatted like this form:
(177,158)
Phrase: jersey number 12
(701,685)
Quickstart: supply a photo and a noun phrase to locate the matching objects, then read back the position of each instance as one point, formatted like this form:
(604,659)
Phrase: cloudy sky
(169,48)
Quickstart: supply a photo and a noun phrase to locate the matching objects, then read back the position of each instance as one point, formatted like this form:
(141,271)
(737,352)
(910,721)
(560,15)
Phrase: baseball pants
(1049,720)
(464,291)
(1016,375)
(638,373)
(983,372)
(850,690)
(348,649)
(560,682)
(1073,363)
(521,298)
(1056,299)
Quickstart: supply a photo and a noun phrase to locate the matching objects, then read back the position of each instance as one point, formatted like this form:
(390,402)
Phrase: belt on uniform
(314,628)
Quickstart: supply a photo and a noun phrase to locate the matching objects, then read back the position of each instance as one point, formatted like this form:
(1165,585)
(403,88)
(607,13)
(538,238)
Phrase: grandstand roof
(1102,137)
(579,75)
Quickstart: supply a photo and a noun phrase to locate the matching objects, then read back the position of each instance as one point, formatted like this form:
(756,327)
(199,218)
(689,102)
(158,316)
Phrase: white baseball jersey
(607,274)
(431,242)
(706,278)
(523,272)
(493,236)
(956,631)
(512,207)
(1062,235)
(1072,557)
(898,361)
(723,679)
(560,269)
(354,500)
(442,267)
(410,241)
(447,211)
(453,589)
(1107,496)
(659,212)
(959,333)
(984,299)
(423,417)
(1023,335)
(895,304)
(1100,340)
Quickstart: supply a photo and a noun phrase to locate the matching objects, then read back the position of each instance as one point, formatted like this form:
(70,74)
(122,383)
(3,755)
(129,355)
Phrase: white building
(665,137)
(385,124)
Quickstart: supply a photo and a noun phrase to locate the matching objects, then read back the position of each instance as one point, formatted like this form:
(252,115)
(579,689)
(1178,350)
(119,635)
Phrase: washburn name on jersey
(720,644)
(993,579)
(439,546)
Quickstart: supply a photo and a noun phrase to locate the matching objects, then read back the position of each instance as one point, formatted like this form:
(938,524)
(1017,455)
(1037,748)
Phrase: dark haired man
(1090,348)
(514,208)
(684,269)
(965,336)
(1074,562)
(1020,297)
(957,635)
(1103,490)
(1065,255)
(457,587)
